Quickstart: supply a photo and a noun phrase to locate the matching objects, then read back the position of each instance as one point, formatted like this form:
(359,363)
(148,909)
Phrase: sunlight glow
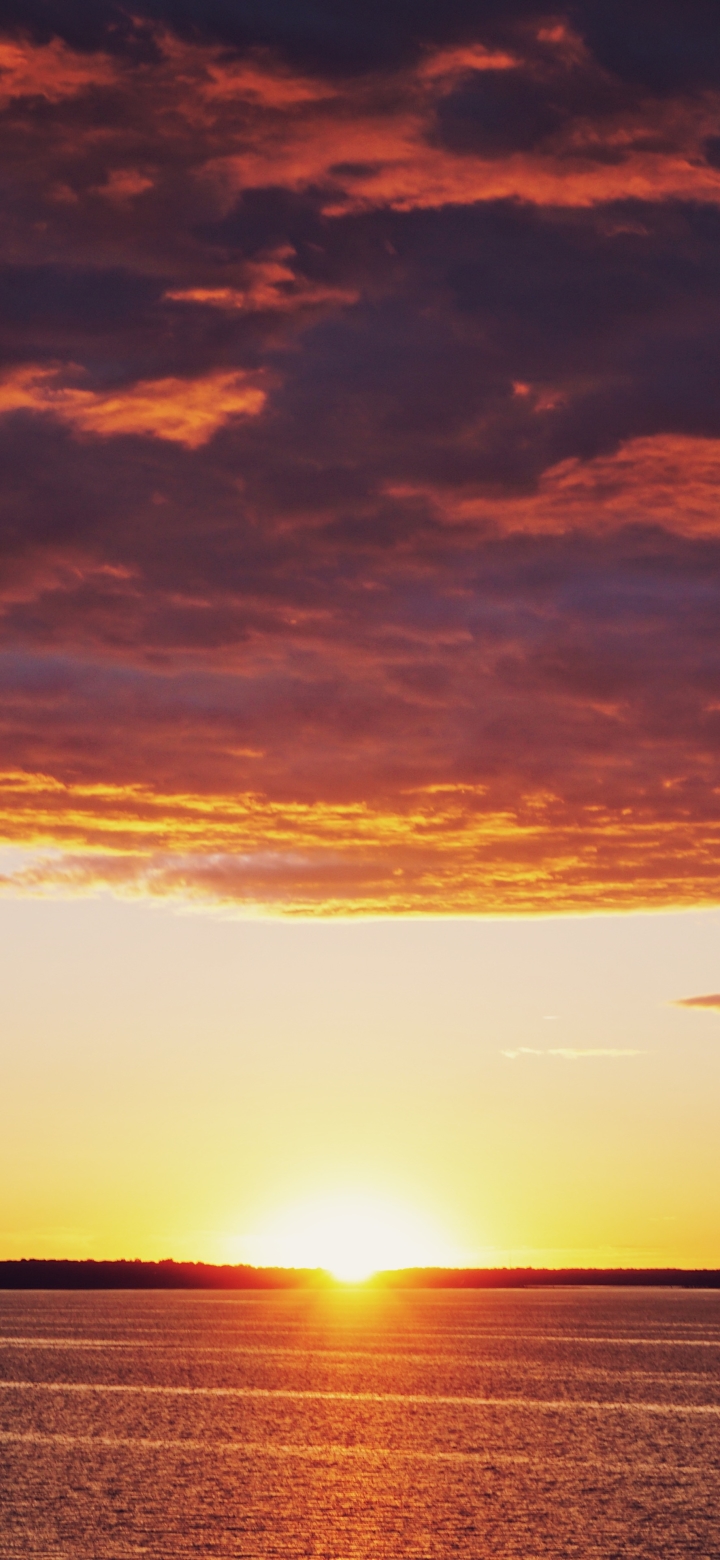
(351,1236)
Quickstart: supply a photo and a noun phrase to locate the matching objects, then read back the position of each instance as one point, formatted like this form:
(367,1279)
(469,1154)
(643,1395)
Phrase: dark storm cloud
(660,44)
(320,36)
(664,45)
(499,112)
(359,429)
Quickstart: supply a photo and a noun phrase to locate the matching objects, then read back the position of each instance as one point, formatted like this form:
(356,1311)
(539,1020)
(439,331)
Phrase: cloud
(187,412)
(655,45)
(124,183)
(358,535)
(270,285)
(570,1054)
(50,71)
(709,1003)
(440,141)
(436,855)
(660,45)
(574,1055)
(364,39)
(667,480)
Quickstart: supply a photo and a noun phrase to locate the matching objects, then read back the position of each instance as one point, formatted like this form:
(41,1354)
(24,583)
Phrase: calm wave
(356,1425)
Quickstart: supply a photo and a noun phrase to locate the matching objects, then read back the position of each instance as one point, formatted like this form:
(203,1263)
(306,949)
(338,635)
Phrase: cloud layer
(359,416)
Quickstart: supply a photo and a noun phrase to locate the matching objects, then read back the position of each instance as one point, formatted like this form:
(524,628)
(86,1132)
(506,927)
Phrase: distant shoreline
(39,1273)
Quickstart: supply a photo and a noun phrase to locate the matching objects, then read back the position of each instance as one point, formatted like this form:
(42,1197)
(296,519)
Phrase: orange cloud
(410,176)
(50,70)
(448,65)
(387,144)
(124,183)
(255,123)
(259,79)
(439,853)
(710,1003)
(270,284)
(668,480)
(185,411)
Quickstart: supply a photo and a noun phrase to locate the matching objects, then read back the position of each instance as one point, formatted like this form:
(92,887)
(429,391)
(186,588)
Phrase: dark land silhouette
(41,1273)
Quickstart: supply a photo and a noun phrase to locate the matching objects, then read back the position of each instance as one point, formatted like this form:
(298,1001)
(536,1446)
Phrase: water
(353,1425)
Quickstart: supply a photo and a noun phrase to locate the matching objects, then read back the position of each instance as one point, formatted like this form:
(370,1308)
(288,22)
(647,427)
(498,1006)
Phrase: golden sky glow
(351,1235)
(522,1092)
(359,564)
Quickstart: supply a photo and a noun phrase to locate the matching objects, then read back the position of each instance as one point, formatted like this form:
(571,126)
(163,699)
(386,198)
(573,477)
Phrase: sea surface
(360,1424)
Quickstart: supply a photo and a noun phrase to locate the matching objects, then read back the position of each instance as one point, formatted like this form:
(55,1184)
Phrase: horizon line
(169,1273)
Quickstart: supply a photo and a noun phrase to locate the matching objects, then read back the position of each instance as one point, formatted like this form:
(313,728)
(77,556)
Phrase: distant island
(41,1273)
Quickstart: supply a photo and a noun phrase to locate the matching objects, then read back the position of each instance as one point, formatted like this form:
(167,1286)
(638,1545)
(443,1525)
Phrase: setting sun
(351,1236)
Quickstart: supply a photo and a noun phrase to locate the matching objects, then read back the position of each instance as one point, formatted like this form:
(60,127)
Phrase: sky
(359,665)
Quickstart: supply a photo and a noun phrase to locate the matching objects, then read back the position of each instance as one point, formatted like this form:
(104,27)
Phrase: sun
(351,1236)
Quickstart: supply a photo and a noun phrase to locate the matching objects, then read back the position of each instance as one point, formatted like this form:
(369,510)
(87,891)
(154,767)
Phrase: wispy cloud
(571,1053)
(709,1003)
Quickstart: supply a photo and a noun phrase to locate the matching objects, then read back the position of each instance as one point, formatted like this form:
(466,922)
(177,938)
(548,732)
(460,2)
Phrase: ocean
(355,1424)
